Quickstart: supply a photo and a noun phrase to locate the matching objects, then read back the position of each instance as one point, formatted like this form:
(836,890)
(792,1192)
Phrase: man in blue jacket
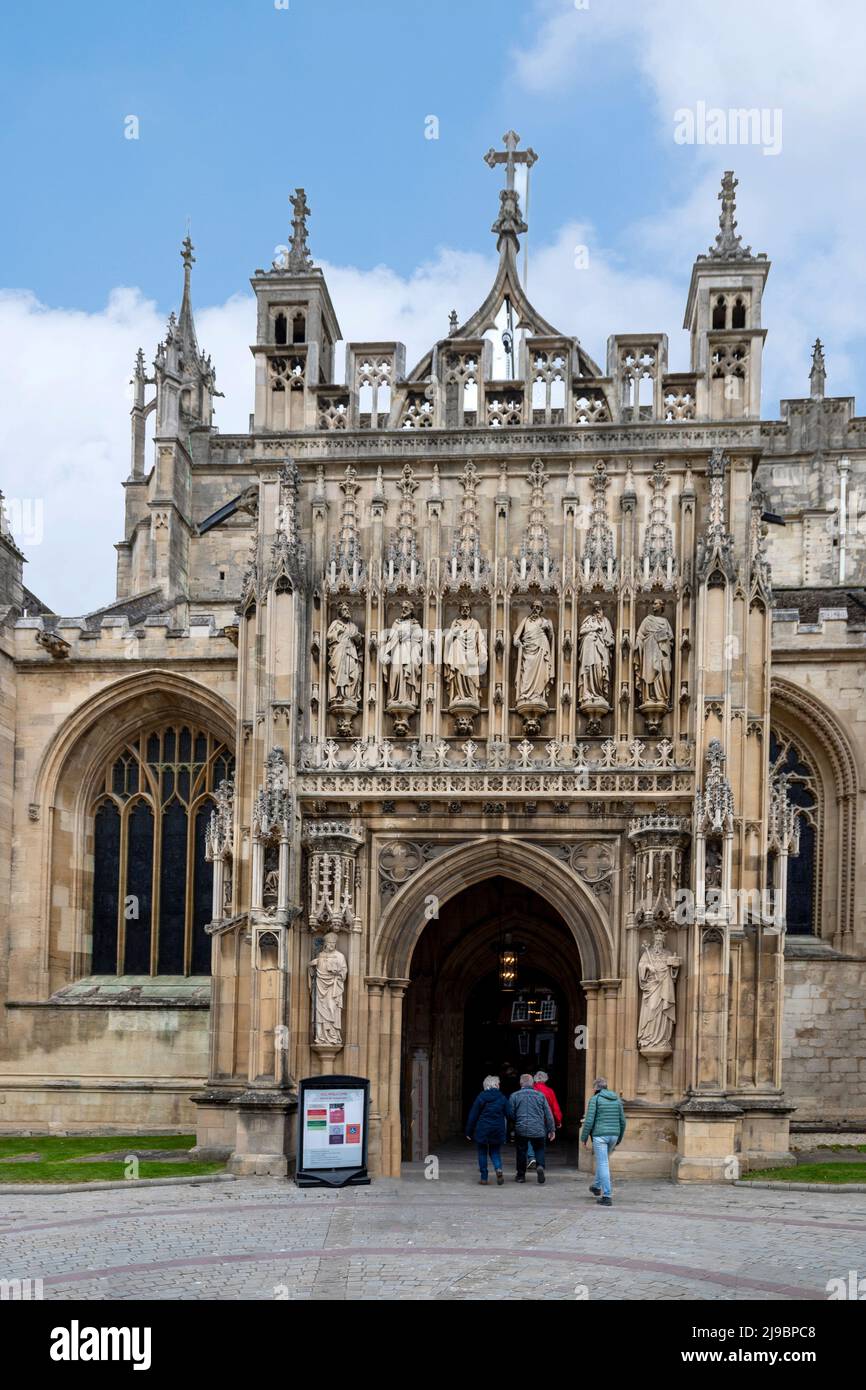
(532,1118)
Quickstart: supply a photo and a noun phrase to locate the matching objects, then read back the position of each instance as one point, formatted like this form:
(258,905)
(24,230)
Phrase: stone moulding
(481,783)
(652,437)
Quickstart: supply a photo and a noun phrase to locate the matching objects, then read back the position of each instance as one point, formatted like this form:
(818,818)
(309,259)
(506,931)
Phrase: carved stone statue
(465,656)
(593,677)
(328,971)
(345,664)
(657,972)
(653,660)
(535,667)
(401,658)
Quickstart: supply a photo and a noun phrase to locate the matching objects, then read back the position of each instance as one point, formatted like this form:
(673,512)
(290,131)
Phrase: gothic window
(786,757)
(738,313)
(280,329)
(299,328)
(152,886)
(720,313)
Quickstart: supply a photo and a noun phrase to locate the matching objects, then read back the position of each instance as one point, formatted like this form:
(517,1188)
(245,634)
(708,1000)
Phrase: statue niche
(465,661)
(401,658)
(535,668)
(653,662)
(593,677)
(345,656)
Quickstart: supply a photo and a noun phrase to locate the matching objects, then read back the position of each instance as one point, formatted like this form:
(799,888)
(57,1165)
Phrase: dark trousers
(495,1157)
(537,1142)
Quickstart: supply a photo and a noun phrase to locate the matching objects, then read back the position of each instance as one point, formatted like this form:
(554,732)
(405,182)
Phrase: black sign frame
(307,1176)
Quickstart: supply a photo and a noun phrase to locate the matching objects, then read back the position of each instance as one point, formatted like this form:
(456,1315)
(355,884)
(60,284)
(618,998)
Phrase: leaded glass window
(786,756)
(151,882)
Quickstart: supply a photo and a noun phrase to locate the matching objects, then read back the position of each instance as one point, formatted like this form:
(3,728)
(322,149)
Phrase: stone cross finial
(186,255)
(509,222)
(299,258)
(510,157)
(818,374)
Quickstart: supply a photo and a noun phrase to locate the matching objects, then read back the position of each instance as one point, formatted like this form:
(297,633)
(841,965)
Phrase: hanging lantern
(508,953)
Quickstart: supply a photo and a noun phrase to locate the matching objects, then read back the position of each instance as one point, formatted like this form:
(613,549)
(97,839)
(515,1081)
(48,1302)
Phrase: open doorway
(495,988)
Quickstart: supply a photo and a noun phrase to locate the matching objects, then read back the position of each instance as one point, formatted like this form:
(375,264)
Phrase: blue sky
(240,102)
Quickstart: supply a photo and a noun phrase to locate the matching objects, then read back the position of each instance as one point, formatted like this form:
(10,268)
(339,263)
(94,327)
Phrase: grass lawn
(58,1155)
(812,1172)
(844,1148)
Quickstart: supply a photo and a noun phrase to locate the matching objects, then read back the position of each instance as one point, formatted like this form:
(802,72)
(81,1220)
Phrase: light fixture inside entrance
(508,953)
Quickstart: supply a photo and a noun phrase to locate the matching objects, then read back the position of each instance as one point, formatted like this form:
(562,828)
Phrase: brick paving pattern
(444,1239)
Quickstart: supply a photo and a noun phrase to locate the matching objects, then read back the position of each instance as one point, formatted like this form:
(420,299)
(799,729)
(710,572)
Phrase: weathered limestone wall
(86,1070)
(824,1040)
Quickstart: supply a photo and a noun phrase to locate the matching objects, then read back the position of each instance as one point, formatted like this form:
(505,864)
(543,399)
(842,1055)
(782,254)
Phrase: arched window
(720,312)
(280,329)
(152,885)
(803,790)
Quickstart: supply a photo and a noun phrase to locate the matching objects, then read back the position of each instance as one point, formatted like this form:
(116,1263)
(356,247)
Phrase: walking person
(604,1127)
(541,1079)
(487,1124)
(532,1118)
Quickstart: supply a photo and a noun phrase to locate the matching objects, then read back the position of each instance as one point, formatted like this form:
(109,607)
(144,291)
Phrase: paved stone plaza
(445,1239)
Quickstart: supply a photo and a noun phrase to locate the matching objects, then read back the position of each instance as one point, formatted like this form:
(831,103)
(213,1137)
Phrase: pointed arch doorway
(461,1021)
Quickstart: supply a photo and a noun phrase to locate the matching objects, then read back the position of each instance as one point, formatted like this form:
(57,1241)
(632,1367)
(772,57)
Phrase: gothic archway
(463,1019)
(804,718)
(432,886)
(67,787)
(587,943)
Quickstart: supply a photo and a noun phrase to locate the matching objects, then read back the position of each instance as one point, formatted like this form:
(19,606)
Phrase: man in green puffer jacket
(604,1125)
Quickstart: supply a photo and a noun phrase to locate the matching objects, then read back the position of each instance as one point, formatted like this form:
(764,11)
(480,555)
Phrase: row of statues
(465,660)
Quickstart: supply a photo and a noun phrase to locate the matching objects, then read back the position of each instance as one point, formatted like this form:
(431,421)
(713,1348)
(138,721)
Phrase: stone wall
(824,1040)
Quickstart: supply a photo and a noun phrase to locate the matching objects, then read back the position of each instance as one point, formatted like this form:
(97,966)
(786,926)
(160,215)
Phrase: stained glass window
(151,882)
(786,756)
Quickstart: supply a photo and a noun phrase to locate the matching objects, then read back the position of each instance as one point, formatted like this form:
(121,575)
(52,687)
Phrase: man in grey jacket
(532,1118)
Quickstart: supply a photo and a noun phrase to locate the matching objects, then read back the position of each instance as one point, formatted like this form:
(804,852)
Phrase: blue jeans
(603,1147)
(495,1157)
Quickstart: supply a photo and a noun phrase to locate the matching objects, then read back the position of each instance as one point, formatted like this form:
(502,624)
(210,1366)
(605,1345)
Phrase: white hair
(491,1083)
(527,1078)
(541,1076)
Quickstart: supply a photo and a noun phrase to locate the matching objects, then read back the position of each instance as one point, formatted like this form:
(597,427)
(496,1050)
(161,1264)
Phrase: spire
(466,567)
(818,374)
(728,245)
(658,565)
(404,568)
(288,555)
(535,569)
(599,558)
(186,324)
(346,567)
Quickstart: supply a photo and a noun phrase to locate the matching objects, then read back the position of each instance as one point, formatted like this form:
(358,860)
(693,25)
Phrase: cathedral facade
(505,712)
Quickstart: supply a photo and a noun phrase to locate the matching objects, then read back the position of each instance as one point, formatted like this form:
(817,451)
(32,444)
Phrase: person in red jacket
(540,1084)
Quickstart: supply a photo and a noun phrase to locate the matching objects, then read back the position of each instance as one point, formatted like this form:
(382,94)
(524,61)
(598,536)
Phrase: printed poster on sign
(333,1124)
